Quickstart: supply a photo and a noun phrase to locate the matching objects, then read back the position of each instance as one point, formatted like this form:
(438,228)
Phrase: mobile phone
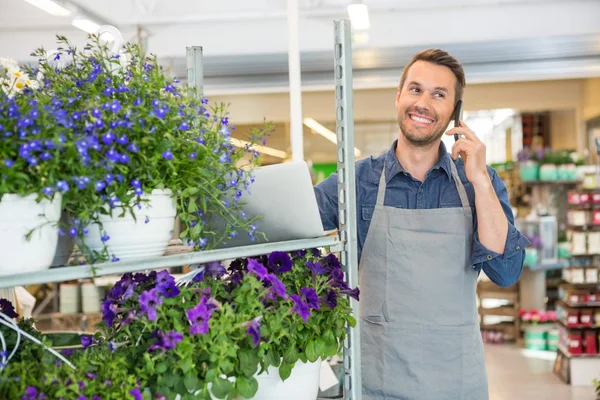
(457,117)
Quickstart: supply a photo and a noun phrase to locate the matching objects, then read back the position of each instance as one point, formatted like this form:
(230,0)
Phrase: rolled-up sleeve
(327,199)
(502,269)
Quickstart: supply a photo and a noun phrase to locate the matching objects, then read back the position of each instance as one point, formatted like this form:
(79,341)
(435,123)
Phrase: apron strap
(382,187)
(464,199)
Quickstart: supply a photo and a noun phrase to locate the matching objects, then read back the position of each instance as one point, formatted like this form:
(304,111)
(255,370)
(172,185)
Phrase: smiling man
(428,222)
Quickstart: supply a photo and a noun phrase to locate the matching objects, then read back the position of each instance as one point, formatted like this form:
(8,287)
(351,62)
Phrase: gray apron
(419,323)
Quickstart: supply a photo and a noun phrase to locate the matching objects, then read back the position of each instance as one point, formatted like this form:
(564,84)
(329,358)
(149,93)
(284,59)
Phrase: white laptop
(283,196)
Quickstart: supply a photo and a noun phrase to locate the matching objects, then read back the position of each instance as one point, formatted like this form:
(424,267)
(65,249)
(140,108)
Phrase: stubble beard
(416,138)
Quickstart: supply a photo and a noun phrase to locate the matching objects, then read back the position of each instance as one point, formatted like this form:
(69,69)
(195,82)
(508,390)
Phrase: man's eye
(415,89)
(439,94)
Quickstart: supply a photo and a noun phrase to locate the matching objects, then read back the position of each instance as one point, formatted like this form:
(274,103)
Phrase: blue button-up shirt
(437,191)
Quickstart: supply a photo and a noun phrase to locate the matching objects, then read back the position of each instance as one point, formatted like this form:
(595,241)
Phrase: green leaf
(320,347)
(302,357)
(186,365)
(291,355)
(311,354)
(273,359)
(161,367)
(248,362)
(351,321)
(246,387)
(221,388)
(190,381)
(285,370)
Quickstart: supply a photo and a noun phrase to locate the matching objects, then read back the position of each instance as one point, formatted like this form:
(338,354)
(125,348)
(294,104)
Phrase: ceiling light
(50,7)
(261,149)
(326,133)
(86,25)
(359,16)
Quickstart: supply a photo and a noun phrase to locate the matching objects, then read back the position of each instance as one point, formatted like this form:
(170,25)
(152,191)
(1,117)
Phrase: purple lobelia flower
(254,329)
(149,300)
(199,317)
(277,286)
(257,268)
(279,262)
(300,307)
(310,297)
(7,309)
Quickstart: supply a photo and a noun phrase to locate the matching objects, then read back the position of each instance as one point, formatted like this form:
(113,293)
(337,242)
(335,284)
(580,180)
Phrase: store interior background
(524,60)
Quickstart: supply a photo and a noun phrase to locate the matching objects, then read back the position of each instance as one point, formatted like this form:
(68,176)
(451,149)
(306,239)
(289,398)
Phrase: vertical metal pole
(195,69)
(195,79)
(347,197)
(296,129)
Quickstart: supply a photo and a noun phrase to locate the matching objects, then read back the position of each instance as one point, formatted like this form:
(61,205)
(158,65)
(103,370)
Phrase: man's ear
(398,96)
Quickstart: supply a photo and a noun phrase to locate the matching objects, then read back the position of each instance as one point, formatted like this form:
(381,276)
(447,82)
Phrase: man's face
(425,103)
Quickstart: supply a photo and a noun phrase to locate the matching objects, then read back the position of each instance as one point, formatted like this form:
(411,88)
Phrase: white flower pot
(145,236)
(18,216)
(303,383)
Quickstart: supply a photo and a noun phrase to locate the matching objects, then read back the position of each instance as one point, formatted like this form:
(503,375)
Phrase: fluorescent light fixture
(86,25)
(261,149)
(326,133)
(359,16)
(50,7)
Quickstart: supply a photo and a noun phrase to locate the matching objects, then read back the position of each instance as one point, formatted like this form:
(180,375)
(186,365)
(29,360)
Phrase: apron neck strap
(464,199)
(382,187)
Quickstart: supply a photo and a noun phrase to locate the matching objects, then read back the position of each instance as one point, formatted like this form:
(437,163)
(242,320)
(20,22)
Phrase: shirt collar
(393,166)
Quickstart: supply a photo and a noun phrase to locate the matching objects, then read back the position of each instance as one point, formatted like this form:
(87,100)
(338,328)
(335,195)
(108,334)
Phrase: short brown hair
(439,57)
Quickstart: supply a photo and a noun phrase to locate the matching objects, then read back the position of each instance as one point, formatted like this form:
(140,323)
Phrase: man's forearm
(492,225)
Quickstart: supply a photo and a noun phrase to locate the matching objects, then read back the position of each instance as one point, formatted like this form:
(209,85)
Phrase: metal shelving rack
(345,243)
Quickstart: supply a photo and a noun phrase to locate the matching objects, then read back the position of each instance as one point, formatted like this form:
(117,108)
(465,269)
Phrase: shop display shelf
(579,305)
(579,327)
(502,311)
(202,257)
(566,352)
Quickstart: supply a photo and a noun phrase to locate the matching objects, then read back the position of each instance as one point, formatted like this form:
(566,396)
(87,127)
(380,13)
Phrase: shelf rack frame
(345,242)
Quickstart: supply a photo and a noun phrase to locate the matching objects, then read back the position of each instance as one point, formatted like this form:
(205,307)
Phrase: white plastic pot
(145,236)
(303,383)
(19,216)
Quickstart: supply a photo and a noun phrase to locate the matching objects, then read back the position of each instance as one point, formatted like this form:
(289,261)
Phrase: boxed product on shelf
(577,243)
(597,317)
(590,343)
(575,343)
(585,318)
(593,243)
(579,217)
(572,318)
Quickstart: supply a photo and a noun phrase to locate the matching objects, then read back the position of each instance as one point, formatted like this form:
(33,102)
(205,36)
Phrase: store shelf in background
(202,257)
(504,311)
(582,355)
(551,182)
(578,305)
(578,327)
(509,329)
(548,267)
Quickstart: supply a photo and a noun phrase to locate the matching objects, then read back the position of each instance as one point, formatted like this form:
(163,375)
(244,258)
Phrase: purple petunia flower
(277,285)
(300,307)
(168,290)
(310,297)
(316,267)
(149,300)
(354,293)
(199,317)
(109,312)
(86,341)
(215,269)
(7,309)
(331,262)
(279,262)
(254,330)
(330,299)
(137,394)
(257,268)
(299,254)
